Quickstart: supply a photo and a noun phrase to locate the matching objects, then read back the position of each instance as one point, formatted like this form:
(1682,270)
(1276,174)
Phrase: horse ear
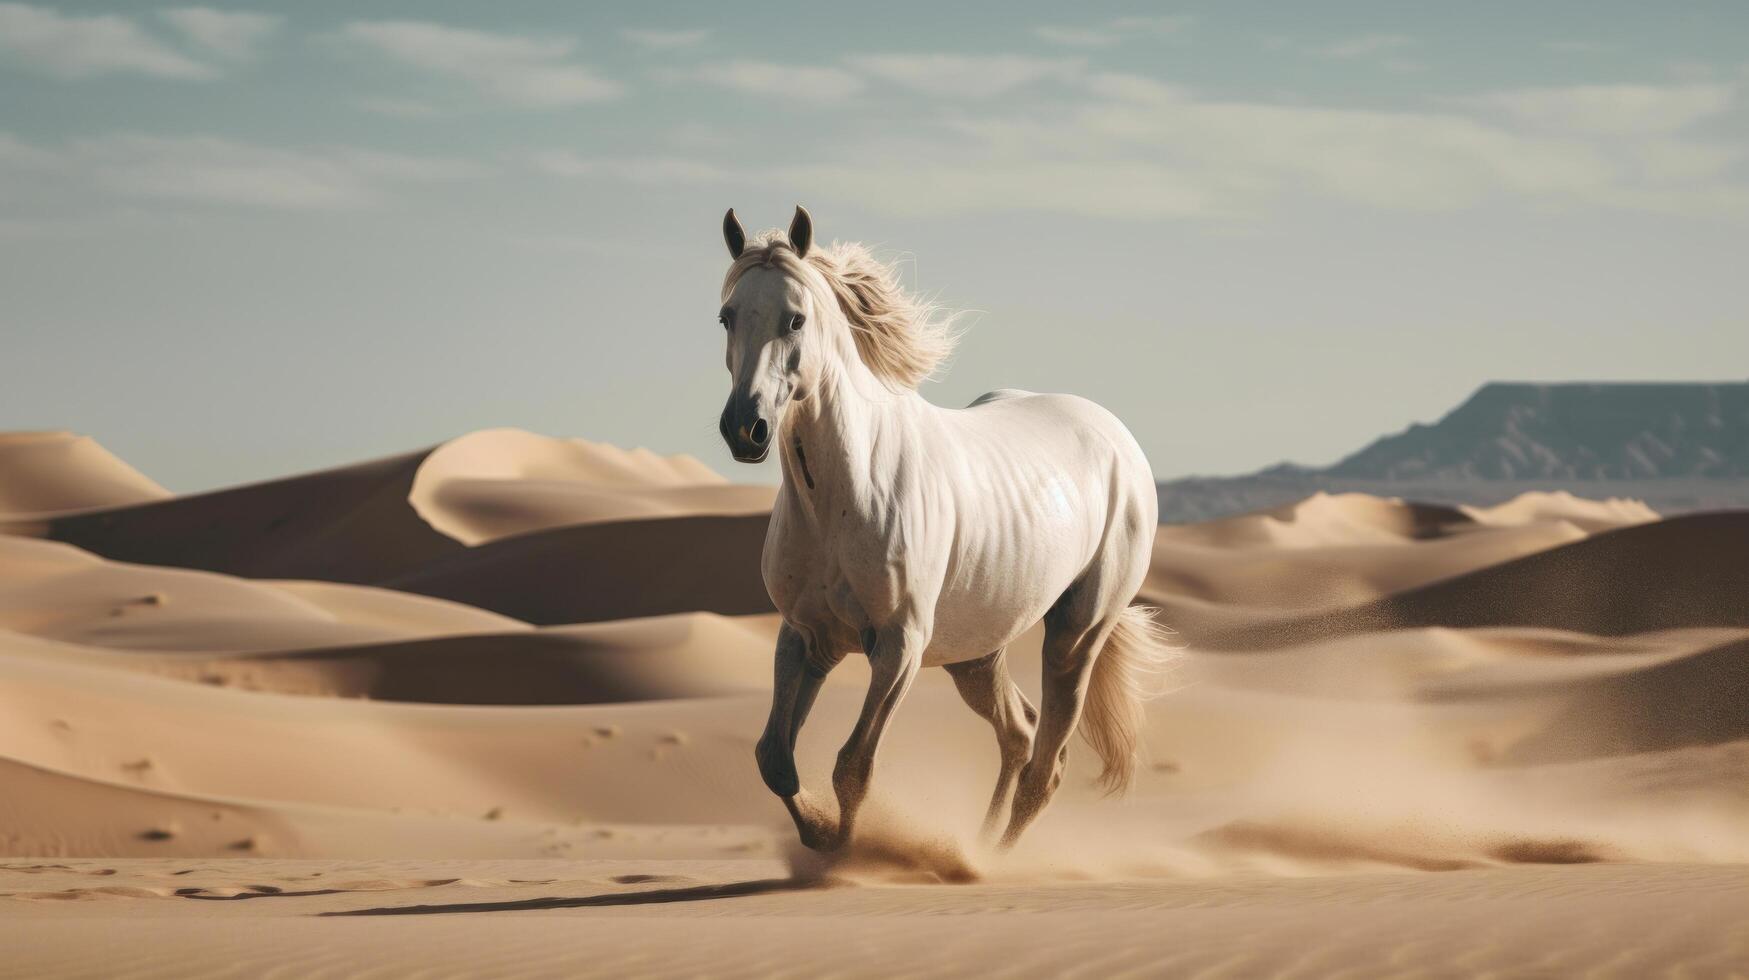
(734,235)
(801,232)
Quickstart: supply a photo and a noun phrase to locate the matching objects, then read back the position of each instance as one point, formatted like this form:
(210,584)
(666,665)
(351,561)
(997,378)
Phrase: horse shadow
(657,896)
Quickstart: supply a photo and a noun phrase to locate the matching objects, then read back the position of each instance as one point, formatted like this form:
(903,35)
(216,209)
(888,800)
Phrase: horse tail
(1127,673)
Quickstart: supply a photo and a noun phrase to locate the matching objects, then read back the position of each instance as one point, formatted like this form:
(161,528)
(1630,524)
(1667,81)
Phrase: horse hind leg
(1073,638)
(987,689)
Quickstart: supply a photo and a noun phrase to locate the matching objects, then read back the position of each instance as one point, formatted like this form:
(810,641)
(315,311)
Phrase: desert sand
(489,709)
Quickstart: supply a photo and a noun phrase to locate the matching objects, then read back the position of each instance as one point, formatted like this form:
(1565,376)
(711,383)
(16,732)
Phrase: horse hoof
(824,843)
(817,830)
(777,769)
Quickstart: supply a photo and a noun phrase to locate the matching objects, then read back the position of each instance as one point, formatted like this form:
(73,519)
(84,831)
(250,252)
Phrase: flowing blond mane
(902,338)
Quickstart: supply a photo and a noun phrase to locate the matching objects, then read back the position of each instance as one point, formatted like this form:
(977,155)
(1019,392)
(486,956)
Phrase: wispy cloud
(65,46)
(1622,110)
(1129,88)
(1110,32)
(221,171)
(1135,147)
(214,170)
(636,170)
(939,75)
(665,40)
(1579,46)
(801,83)
(1366,45)
(966,76)
(524,70)
(923,185)
(699,136)
(229,34)
(1387,51)
(1076,37)
(399,108)
(17,154)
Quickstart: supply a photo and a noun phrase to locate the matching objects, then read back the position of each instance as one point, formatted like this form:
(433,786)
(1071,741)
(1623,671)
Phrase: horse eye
(796,323)
(723,320)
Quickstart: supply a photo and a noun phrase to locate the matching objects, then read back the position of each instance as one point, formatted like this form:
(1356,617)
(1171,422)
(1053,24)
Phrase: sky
(245,241)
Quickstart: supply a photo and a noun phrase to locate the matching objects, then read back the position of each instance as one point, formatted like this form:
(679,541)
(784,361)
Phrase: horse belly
(996,596)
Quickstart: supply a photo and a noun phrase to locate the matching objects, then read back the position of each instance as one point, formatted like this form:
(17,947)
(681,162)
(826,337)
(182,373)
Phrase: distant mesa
(1571,432)
(1677,447)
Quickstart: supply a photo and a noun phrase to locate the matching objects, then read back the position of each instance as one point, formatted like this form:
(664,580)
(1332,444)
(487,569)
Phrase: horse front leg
(796,682)
(895,654)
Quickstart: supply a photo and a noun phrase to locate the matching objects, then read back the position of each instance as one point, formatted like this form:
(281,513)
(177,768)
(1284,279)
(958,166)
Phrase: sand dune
(1224,581)
(1682,572)
(55,814)
(604,763)
(58,592)
(1695,699)
(351,524)
(522,676)
(503,482)
(1333,574)
(1590,515)
(742,919)
(686,655)
(1323,519)
(46,472)
(357,525)
(402,613)
(349,640)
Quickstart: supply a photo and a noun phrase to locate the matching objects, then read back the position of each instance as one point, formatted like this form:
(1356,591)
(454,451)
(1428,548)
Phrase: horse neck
(838,432)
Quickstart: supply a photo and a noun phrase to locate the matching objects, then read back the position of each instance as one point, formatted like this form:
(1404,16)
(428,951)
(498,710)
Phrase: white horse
(925,536)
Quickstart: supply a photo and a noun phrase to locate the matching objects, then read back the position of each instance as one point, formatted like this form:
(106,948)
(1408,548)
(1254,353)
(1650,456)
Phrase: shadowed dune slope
(350,524)
(1699,699)
(1686,571)
(687,655)
(618,570)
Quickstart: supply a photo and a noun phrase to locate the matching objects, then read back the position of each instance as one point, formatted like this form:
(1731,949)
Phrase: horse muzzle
(750,440)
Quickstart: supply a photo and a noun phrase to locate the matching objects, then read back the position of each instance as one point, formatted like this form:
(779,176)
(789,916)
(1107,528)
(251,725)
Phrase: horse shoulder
(790,558)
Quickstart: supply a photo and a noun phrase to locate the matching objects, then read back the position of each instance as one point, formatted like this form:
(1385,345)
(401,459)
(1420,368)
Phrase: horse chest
(835,588)
(818,587)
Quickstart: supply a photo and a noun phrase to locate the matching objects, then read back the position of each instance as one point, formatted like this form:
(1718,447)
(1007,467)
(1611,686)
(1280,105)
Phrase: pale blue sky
(237,243)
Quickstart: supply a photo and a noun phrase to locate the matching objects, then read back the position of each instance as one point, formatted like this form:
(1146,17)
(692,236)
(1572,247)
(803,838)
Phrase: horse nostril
(761,432)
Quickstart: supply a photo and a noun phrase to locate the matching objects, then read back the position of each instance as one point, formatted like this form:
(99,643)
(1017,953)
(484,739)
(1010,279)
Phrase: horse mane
(902,338)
